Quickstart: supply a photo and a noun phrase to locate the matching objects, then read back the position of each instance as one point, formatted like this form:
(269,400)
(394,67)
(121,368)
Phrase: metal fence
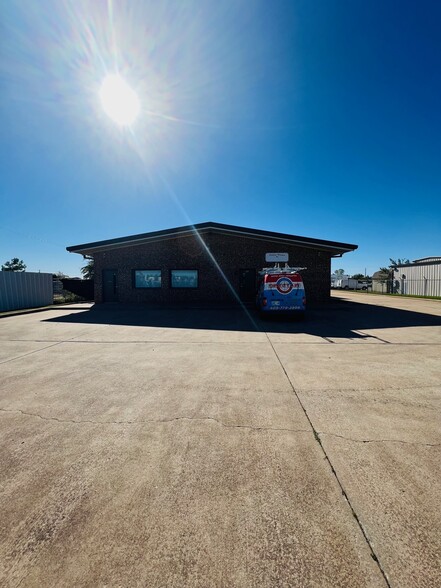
(414,287)
(24,290)
(72,290)
(82,288)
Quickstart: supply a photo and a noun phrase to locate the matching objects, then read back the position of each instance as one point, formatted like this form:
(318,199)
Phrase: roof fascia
(419,264)
(94,247)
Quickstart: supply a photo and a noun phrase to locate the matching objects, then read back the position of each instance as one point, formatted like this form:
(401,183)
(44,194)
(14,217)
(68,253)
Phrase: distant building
(336,278)
(381,282)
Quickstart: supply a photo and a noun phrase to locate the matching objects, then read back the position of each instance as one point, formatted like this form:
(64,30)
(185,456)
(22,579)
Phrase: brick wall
(232,253)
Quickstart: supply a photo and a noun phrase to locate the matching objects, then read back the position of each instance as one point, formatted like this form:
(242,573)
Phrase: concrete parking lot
(202,448)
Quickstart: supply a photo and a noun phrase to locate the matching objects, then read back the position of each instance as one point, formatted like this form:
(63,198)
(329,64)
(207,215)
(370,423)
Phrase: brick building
(203,263)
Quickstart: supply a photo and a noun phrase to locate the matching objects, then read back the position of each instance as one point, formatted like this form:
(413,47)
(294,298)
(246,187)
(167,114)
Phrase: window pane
(184,278)
(147,278)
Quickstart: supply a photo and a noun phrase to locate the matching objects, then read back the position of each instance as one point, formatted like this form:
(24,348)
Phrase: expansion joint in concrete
(30,352)
(340,484)
(373,337)
(53,344)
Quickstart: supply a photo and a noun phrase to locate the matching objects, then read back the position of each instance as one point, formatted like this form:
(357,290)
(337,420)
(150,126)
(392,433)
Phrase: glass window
(147,278)
(184,278)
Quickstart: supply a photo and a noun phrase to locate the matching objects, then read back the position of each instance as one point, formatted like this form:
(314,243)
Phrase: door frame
(115,284)
(241,290)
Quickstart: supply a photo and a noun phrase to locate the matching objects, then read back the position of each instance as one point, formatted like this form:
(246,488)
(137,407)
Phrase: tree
(339,273)
(15,265)
(59,275)
(88,270)
(384,270)
(394,263)
(358,276)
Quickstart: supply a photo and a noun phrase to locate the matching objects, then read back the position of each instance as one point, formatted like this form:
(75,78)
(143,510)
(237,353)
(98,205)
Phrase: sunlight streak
(210,254)
(182,120)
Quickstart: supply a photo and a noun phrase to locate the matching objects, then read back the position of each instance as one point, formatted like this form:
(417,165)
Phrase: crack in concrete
(150,421)
(379,440)
(392,388)
(330,395)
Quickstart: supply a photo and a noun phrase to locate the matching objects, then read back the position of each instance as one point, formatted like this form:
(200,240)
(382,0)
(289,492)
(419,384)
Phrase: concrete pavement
(184,448)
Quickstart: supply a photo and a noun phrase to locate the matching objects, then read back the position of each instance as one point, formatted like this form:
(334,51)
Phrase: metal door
(110,285)
(247,285)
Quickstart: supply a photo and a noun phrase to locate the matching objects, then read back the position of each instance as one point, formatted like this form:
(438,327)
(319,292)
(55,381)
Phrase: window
(147,279)
(184,278)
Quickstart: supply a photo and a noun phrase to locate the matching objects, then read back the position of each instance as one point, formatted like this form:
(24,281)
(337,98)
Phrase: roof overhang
(336,249)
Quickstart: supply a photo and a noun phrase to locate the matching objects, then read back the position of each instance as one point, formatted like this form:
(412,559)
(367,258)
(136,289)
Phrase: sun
(119,101)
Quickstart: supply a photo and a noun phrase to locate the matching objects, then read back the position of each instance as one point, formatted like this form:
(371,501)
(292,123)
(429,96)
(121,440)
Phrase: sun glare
(119,101)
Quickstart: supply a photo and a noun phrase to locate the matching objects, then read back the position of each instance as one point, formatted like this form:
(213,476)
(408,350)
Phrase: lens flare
(119,101)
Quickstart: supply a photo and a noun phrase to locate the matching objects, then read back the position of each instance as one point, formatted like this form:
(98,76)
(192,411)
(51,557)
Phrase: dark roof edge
(244,231)
(417,264)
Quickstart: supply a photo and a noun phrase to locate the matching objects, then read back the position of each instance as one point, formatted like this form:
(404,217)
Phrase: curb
(20,311)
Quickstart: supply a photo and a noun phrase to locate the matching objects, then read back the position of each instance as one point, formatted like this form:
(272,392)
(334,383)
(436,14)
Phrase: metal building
(422,277)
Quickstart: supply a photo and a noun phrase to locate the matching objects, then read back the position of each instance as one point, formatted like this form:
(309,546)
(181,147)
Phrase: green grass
(67,297)
(395,295)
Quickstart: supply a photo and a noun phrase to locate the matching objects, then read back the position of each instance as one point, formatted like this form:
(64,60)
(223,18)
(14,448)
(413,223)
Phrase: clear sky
(317,118)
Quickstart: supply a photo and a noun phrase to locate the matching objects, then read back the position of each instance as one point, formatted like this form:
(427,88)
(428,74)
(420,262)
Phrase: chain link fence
(412,287)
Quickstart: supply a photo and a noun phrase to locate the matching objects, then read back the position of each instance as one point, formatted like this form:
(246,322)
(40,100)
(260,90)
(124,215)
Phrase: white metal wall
(421,279)
(24,290)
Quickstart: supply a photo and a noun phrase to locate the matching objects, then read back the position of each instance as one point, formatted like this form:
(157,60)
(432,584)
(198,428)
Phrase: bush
(66,296)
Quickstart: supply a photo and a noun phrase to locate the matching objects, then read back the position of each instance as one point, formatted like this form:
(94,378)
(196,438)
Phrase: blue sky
(317,118)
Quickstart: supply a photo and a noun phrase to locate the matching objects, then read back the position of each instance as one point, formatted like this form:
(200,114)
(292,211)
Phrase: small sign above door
(276,257)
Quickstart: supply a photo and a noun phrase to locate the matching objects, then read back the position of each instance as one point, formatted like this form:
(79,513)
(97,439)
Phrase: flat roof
(334,247)
(427,259)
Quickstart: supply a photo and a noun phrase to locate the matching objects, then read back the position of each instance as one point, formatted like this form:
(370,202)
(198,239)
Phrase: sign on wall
(276,257)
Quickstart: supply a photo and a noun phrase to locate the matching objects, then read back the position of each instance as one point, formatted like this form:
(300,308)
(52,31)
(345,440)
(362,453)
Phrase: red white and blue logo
(284,285)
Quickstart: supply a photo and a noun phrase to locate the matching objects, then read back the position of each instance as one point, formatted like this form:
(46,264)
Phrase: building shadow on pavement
(340,319)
